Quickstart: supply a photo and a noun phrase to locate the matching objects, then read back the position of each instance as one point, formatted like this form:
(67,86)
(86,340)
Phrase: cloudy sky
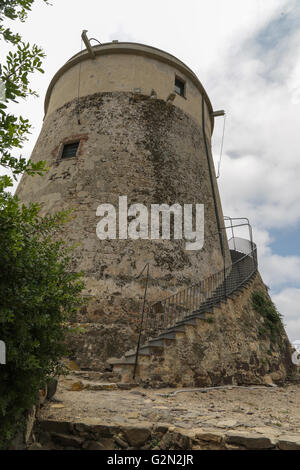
(247,55)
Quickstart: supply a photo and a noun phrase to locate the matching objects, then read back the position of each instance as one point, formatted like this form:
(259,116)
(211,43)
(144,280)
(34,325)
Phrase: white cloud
(288,304)
(279,270)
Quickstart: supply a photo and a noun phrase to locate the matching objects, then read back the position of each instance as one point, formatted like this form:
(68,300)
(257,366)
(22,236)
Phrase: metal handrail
(204,294)
(201,296)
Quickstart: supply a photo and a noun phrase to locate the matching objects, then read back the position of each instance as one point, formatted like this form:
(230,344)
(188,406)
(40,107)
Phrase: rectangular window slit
(179,86)
(70,150)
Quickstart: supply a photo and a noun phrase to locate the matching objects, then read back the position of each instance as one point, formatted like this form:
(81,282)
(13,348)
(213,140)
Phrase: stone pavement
(263,416)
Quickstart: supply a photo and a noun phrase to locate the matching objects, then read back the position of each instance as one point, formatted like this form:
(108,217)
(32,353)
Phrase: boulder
(250,441)
(137,435)
(289,442)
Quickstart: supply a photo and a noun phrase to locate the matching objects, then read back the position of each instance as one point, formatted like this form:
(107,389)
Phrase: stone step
(95,375)
(143,350)
(170,335)
(123,360)
(198,316)
(98,386)
(154,342)
(188,321)
(126,363)
(174,329)
(207,307)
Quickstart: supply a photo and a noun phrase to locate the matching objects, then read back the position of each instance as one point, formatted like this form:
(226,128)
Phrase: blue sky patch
(286,241)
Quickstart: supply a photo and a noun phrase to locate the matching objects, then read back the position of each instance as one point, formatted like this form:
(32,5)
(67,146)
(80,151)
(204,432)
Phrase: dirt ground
(274,410)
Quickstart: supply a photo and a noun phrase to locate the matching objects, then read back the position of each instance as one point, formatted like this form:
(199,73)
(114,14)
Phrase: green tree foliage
(20,62)
(38,293)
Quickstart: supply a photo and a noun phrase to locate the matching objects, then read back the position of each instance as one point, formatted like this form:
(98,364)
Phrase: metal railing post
(142,319)
(224,271)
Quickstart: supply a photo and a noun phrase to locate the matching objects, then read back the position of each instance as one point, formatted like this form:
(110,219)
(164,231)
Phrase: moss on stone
(272,326)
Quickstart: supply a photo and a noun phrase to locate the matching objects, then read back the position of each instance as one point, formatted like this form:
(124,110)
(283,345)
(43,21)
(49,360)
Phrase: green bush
(272,326)
(37,296)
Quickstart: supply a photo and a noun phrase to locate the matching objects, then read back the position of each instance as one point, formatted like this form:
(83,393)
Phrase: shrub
(37,296)
(272,326)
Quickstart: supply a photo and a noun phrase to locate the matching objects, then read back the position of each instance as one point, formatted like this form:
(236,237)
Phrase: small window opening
(179,86)
(70,150)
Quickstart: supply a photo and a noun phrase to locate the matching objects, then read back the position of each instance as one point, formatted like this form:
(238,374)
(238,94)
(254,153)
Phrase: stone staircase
(152,352)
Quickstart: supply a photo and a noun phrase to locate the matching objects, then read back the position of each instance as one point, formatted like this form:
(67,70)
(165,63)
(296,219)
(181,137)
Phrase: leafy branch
(14,78)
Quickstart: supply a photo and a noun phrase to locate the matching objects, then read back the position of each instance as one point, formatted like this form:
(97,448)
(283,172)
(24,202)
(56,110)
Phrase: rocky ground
(271,411)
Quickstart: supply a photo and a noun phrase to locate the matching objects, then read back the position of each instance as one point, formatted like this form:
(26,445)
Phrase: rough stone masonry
(132,140)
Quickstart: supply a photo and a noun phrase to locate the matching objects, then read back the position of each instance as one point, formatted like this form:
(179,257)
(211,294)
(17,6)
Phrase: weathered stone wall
(93,435)
(230,347)
(126,67)
(135,146)
(94,343)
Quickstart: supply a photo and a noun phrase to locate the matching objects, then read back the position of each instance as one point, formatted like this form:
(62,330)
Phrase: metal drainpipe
(213,192)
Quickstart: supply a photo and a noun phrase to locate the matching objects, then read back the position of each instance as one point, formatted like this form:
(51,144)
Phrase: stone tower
(125,119)
(139,124)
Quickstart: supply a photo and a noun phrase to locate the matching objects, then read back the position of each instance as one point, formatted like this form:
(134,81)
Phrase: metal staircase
(167,317)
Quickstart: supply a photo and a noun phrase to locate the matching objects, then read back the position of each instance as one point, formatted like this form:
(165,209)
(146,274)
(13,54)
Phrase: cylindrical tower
(128,120)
